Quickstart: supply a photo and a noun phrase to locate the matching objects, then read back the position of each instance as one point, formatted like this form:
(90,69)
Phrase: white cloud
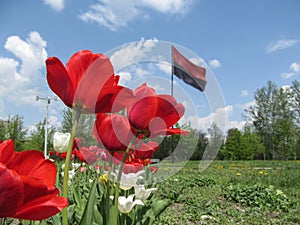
(215,63)
(1,108)
(244,93)
(57,5)
(133,52)
(124,77)
(294,70)
(21,78)
(221,117)
(119,13)
(54,121)
(167,6)
(246,105)
(165,67)
(281,44)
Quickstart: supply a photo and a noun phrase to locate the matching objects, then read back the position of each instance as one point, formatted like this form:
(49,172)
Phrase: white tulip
(71,173)
(129,180)
(75,166)
(125,205)
(142,193)
(61,141)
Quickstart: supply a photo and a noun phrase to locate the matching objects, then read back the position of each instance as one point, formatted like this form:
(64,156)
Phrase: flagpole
(172,93)
(172,73)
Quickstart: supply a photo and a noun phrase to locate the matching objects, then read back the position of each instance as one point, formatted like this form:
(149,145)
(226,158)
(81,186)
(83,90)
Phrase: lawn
(227,192)
(233,192)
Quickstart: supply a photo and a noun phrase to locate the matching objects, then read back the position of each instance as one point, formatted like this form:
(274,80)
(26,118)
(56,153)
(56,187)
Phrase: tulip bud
(61,141)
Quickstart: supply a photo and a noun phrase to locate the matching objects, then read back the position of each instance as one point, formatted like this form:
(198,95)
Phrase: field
(226,193)
(236,192)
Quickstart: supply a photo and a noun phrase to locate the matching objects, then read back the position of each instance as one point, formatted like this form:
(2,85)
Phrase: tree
(215,142)
(252,145)
(201,146)
(242,145)
(232,148)
(36,138)
(84,128)
(273,117)
(262,115)
(186,144)
(13,128)
(296,100)
(2,129)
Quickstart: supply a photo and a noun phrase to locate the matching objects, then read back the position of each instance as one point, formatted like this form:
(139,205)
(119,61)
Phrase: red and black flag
(187,71)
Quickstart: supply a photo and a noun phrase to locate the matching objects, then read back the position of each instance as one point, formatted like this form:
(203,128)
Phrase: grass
(233,192)
(227,193)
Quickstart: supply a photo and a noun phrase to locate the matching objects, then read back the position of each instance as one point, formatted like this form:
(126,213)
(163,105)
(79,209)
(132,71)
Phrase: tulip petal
(96,76)
(32,163)
(7,151)
(142,112)
(79,62)
(11,192)
(42,209)
(59,81)
(88,156)
(112,131)
(35,188)
(169,110)
(114,99)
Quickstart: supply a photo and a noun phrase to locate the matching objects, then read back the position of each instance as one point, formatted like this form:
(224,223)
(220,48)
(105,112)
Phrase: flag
(187,71)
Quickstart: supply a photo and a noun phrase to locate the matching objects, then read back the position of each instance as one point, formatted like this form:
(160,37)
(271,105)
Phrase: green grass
(227,193)
(233,192)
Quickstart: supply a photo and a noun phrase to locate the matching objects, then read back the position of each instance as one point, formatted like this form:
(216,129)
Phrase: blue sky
(243,44)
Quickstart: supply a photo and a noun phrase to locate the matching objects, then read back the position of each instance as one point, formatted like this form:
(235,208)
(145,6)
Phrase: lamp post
(48,100)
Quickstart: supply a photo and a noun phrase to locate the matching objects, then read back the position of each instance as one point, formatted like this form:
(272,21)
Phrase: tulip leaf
(97,215)
(88,214)
(159,206)
(77,198)
(55,220)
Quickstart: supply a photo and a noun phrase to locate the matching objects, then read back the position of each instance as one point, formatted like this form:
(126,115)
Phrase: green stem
(107,208)
(116,197)
(1,221)
(67,166)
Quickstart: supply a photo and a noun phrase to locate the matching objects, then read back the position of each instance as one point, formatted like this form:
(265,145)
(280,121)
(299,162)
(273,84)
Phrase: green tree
(273,119)
(201,146)
(165,147)
(2,129)
(242,145)
(263,115)
(252,145)
(84,128)
(232,148)
(13,128)
(296,100)
(215,142)
(36,138)
(186,144)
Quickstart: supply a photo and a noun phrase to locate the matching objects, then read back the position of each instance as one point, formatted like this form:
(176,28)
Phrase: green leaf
(56,220)
(159,206)
(71,212)
(88,213)
(77,198)
(97,216)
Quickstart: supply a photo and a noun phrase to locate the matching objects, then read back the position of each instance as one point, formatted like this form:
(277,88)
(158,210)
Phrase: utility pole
(48,101)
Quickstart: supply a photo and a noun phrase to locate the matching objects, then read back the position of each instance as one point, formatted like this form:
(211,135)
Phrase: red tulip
(132,167)
(87,83)
(27,189)
(84,154)
(113,131)
(154,114)
(145,150)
